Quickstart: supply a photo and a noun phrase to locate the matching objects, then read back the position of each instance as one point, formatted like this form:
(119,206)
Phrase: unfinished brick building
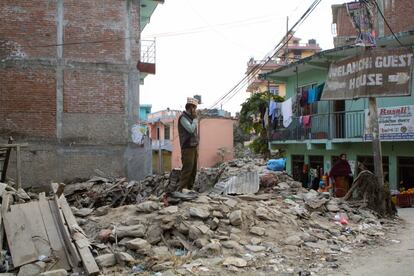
(69,85)
(398,14)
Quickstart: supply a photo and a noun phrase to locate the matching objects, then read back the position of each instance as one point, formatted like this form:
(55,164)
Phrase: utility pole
(376,142)
(287,39)
(373,114)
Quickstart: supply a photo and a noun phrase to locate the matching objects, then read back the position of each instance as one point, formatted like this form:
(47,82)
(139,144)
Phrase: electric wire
(255,69)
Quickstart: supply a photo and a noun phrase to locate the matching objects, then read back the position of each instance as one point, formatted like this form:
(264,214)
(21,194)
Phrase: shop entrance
(405,167)
(298,161)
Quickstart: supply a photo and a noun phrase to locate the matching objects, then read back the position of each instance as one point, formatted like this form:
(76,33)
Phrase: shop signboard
(395,123)
(373,73)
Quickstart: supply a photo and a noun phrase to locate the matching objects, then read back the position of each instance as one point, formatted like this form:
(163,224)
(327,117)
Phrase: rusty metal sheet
(373,73)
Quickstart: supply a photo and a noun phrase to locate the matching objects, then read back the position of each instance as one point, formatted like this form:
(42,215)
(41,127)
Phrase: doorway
(298,161)
(339,119)
(405,168)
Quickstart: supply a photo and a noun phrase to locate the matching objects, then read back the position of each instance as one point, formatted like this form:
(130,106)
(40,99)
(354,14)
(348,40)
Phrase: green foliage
(251,119)
(259,145)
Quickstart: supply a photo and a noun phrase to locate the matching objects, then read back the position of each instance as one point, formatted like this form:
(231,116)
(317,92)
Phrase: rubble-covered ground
(283,229)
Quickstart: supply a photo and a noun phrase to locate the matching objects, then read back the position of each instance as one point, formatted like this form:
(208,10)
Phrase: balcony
(162,144)
(146,64)
(337,127)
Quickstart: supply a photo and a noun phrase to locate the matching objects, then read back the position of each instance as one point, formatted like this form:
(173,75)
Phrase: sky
(203,46)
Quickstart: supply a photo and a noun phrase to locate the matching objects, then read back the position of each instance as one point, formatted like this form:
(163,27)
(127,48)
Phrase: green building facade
(337,126)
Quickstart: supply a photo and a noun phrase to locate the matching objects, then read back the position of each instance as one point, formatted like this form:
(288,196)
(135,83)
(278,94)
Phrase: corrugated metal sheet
(246,183)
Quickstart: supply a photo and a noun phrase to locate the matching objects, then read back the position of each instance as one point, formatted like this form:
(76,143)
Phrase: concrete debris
(268,225)
(238,262)
(106,260)
(57,272)
(199,213)
(236,217)
(135,231)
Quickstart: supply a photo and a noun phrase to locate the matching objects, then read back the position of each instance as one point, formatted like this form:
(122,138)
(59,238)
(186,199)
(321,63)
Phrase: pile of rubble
(283,228)
(242,219)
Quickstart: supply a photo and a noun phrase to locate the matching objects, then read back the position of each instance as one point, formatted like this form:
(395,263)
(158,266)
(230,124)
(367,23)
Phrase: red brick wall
(87,21)
(28,102)
(27,23)
(399,15)
(93,92)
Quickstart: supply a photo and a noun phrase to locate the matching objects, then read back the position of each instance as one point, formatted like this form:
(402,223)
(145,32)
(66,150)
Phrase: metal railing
(336,125)
(148,51)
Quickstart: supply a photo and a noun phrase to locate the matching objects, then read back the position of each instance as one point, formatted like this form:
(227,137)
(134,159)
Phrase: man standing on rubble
(187,130)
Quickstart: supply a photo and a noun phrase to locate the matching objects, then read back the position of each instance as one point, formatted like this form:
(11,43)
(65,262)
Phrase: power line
(78,43)
(250,21)
(251,73)
(256,69)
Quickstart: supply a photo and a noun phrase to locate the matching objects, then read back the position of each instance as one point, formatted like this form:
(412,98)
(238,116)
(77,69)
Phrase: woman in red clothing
(341,174)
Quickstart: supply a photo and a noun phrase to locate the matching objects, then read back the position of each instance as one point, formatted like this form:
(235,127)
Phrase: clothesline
(285,109)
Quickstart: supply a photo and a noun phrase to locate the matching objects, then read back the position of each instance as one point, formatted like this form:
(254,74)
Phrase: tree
(252,120)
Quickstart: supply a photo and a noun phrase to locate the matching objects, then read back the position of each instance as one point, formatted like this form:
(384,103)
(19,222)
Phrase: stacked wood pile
(42,237)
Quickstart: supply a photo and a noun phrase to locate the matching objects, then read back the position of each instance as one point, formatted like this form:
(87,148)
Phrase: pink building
(216,142)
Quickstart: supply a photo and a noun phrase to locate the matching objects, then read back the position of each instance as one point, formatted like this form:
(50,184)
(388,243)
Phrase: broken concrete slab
(106,260)
(236,218)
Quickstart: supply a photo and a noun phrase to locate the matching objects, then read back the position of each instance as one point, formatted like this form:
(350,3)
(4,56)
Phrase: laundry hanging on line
(287,112)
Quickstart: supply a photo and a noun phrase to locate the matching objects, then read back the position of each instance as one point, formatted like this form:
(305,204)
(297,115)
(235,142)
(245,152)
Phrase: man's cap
(192,101)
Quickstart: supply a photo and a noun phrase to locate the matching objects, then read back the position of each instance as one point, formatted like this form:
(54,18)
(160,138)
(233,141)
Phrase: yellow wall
(263,88)
(166,160)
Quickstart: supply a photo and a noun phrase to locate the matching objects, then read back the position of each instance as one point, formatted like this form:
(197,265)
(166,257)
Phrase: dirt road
(393,260)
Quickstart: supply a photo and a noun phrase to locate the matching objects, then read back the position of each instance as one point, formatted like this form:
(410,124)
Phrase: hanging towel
(307,121)
(287,112)
(311,95)
(272,110)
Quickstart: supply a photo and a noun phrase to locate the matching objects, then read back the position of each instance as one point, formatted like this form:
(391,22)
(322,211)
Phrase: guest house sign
(373,73)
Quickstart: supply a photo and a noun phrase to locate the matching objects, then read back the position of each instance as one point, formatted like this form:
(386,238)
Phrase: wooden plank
(21,246)
(6,162)
(72,253)
(7,198)
(77,233)
(18,168)
(14,145)
(54,236)
(33,217)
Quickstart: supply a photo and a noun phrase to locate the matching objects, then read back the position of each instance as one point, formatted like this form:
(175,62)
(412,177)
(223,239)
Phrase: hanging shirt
(287,112)
(278,110)
(272,110)
(311,95)
(307,121)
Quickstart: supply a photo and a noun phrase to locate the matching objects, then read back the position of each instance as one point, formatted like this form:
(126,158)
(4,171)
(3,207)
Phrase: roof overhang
(146,9)
(322,60)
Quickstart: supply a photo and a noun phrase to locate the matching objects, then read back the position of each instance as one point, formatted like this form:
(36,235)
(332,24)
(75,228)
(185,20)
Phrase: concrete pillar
(289,164)
(133,74)
(59,68)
